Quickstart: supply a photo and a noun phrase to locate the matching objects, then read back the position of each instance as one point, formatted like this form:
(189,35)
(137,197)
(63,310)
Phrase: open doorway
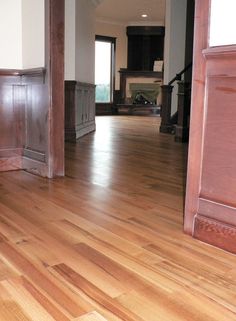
(101,149)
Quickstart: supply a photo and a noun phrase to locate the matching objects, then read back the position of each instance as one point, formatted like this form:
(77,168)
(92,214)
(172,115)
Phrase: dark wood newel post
(184,101)
(166,126)
(55,15)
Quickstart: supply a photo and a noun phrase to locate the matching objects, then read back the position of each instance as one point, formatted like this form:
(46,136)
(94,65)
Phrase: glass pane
(223,22)
(103,71)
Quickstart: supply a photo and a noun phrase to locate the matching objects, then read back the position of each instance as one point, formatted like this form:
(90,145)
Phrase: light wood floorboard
(106,242)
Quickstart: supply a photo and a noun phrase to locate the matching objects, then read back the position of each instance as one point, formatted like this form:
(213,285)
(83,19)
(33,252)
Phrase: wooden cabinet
(79,109)
(145,45)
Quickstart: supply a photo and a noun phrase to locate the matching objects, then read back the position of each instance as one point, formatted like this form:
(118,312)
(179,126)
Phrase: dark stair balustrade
(184,103)
(166,124)
(184,92)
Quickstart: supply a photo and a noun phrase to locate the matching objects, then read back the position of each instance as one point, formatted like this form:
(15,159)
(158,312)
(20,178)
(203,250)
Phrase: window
(223,22)
(104,68)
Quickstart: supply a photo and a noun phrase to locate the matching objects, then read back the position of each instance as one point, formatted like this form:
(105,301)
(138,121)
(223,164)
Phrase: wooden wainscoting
(210,202)
(216,223)
(20,103)
(32,106)
(79,109)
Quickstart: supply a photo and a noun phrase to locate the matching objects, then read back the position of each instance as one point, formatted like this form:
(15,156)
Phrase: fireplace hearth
(146,83)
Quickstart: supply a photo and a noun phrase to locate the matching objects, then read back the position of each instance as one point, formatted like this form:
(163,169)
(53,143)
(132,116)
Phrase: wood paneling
(215,232)
(218,182)
(12,109)
(210,203)
(32,106)
(79,109)
(23,126)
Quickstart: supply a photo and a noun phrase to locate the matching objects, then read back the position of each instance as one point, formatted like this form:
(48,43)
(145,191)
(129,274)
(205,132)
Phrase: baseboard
(85,129)
(34,155)
(215,233)
(35,167)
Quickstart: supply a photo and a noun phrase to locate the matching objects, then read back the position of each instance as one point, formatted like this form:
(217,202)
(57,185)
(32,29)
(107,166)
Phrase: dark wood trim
(104,109)
(79,109)
(182,126)
(145,31)
(22,77)
(166,122)
(189,39)
(23,72)
(141,73)
(106,39)
(55,15)
(215,233)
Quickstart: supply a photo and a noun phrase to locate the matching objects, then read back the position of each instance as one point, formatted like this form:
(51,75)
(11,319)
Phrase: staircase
(177,124)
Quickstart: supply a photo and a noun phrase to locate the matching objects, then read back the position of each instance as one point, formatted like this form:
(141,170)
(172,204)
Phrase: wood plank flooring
(105,243)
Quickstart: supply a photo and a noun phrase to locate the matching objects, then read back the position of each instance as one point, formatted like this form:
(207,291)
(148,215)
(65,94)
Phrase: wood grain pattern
(201,36)
(212,181)
(32,105)
(216,233)
(79,109)
(106,242)
(92,316)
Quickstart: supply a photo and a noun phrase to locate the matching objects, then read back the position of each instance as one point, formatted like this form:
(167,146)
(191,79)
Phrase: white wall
(33,33)
(80,40)
(85,41)
(175,34)
(70,39)
(118,32)
(21,34)
(10,34)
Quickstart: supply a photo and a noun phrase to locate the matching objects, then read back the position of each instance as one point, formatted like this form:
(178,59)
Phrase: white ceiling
(130,11)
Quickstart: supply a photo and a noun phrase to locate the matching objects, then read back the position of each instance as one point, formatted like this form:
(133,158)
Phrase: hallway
(106,241)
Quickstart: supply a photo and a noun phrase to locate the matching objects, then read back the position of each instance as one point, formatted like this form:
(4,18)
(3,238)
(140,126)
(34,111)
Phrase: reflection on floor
(106,241)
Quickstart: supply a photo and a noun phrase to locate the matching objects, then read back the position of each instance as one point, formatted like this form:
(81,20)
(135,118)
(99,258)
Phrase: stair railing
(167,122)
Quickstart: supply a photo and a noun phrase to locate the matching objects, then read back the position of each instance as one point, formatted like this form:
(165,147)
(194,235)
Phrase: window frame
(112,41)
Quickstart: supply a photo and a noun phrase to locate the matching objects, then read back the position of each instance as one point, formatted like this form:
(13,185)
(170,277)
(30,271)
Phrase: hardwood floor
(106,241)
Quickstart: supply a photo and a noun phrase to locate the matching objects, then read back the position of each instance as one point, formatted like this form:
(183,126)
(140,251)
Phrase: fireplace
(147,83)
(144,93)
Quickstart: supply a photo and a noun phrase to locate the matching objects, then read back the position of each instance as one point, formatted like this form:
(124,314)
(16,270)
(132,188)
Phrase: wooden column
(55,16)
(166,126)
(197,113)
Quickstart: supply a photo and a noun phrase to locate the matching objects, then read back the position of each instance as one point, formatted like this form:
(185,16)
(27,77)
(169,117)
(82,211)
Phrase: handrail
(179,75)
